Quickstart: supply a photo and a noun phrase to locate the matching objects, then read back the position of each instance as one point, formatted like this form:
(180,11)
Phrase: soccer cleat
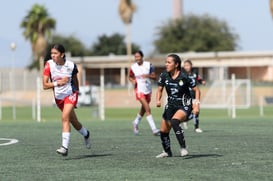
(164,155)
(135,128)
(156,132)
(62,151)
(185,125)
(184,152)
(198,130)
(87,140)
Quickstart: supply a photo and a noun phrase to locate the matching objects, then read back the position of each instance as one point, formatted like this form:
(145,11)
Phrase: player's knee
(175,124)
(65,118)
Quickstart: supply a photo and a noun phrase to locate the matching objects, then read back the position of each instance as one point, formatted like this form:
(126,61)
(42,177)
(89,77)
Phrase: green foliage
(36,22)
(72,44)
(37,25)
(195,33)
(111,44)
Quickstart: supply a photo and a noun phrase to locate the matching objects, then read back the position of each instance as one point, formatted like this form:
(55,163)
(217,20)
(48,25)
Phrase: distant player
(194,76)
(140,76)
(179,105)
(60,75)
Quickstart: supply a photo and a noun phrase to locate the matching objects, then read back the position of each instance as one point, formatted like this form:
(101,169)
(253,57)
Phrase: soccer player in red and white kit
(140,76)
(61,76)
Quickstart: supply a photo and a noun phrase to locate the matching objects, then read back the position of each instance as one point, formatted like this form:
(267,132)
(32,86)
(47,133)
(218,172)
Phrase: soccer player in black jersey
(179,105)
(194,76)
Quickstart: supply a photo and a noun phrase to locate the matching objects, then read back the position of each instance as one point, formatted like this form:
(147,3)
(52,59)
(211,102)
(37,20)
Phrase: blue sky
(88,19)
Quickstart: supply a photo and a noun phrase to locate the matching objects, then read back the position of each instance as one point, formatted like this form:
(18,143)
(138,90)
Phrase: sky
(87,19)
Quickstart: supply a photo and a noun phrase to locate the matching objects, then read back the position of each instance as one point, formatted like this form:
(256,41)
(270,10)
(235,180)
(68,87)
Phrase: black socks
(179,133)
(166,143)
(196,120)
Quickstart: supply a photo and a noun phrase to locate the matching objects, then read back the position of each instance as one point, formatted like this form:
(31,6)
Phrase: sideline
(10,141)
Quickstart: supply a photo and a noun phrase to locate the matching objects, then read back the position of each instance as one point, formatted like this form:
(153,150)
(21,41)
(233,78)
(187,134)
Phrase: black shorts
(171,110)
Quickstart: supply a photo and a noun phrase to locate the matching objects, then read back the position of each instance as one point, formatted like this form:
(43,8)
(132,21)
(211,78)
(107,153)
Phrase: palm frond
(126,10)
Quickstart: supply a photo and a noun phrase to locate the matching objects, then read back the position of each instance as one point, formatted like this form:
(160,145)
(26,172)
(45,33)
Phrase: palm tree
(37,26)
(271,7)
(126,11)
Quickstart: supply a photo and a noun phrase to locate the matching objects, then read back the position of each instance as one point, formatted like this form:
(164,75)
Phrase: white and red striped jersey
(137,71)
(57,72)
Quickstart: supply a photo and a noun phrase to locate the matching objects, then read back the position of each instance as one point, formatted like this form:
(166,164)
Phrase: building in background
(257,66)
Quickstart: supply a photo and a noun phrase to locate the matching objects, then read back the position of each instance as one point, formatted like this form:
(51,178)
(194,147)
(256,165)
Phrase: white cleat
(163,155)
(135,129)
(198,130)
(185,125)
(156,132)
(62,151)
(184,152)
(87,140)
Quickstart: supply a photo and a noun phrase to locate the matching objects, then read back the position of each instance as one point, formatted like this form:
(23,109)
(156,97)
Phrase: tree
(126,11)
(72,44)
(37,25)
(195,33)
(111,44)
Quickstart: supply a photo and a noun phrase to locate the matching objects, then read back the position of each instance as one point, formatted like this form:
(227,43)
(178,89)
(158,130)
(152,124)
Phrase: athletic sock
(179,133)
(137,119)
(151,122)
(196,120)
(65,139)
(166,142)
(83,131)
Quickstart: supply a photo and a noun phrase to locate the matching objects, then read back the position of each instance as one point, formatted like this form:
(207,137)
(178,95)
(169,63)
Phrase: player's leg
(185,123)
(179,116)
(82,130)
(165,139)
(149,117)
(196,122)
(138,119)
(67,108)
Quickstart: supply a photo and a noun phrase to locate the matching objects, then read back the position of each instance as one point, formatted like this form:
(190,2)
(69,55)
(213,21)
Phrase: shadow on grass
(88,156)
(192,156)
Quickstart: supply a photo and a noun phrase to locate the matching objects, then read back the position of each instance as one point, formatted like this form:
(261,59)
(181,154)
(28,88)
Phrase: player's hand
(63,81)
(203,82)
(145,76)
(158,103)
(134,82)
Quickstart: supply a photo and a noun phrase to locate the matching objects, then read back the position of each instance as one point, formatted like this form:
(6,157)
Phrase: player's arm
(159,96)
(152,74)
(200,80)
(75,81)
(49,85)
(161,84)
(197,99)
(131,77)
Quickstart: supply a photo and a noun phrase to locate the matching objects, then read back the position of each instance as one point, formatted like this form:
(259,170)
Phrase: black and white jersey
(178,90)
(195,77)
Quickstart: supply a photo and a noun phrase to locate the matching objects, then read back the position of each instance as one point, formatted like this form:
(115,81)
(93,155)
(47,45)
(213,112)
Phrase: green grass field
(240,149)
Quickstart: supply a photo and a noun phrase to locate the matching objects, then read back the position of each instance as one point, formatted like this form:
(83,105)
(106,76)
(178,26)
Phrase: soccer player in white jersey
(140,76)
(61,76)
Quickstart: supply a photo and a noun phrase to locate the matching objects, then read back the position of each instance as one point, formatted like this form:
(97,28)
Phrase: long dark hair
(60,48)
(176,60)
(140,53)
